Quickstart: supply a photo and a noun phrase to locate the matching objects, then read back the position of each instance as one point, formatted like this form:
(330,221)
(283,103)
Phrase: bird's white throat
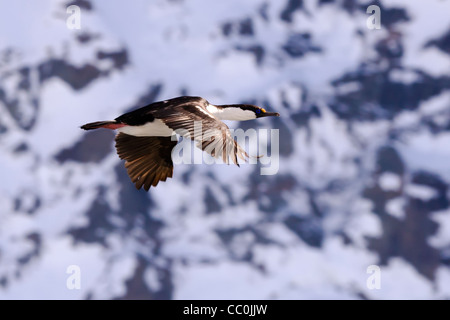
(231,113)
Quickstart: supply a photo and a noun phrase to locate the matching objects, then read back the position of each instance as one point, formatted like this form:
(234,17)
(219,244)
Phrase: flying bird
(145,135)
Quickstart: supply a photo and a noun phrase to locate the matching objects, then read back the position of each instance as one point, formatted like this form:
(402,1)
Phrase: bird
(145,136)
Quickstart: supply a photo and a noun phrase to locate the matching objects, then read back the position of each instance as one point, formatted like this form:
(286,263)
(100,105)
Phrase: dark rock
(303,116)
(246,27)
(227,28)
(245,251)
(21,102)
(27,202)
(137,288)
(389,16)
(391,49)
(299,44)
(437,203)
(381,98)
(119,58)
(99,224)
(350,5)
(263,11)
(92,147)
(443,42)
(291,7)
(36,240)
(257,50)
(308,229)
(270,200)
(285,143)
(135,208)
(83,4)
(148,97)
(389,160)
(242,27)
(408,239)
(76,77)
(86,37)
(211,203)
(324,2)
(21,148)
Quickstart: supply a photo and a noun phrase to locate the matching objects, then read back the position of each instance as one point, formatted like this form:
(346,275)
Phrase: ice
(395,207)
(389,181)
(241,250)
(420,192)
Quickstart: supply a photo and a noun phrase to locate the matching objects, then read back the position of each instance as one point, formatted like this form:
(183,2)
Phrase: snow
(180,45)
(293,273)
(442,237)
(219,281)
(395,207)
(418,31)
(364,224)
(423,150)
(389,181)
(403,76)
(421,192)
(436,105)
(48,278)
(397,278)
(443,281)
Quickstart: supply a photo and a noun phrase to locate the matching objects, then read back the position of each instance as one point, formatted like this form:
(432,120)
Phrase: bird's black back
(147,113)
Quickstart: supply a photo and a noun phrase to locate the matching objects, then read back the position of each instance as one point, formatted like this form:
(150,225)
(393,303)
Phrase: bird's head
(260,112)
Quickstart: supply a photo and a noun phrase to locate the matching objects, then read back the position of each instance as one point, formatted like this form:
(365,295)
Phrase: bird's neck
(231,112)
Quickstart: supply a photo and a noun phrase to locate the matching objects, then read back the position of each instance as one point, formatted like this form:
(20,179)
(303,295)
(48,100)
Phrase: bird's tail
(102,124)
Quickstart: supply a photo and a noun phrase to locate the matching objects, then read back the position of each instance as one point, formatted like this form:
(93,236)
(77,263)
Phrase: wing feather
(147,159)
(211,134)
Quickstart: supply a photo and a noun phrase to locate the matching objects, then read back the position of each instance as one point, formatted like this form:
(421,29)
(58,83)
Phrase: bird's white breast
(157,128)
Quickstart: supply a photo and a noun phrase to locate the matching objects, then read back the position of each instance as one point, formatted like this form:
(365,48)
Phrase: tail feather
(102,124)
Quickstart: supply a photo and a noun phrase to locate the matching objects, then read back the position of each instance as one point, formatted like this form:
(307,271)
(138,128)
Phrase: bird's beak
(269,114)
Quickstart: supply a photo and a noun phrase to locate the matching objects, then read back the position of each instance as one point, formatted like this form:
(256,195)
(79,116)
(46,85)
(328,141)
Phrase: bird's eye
(258,111)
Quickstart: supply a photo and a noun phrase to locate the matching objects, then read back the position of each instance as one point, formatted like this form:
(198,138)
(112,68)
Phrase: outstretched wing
(212,135)
(147,159)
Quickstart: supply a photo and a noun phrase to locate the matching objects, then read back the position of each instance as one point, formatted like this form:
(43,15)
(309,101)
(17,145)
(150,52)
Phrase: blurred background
(364,151)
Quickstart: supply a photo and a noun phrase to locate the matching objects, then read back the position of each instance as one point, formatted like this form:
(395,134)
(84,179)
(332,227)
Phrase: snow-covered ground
(364,162)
